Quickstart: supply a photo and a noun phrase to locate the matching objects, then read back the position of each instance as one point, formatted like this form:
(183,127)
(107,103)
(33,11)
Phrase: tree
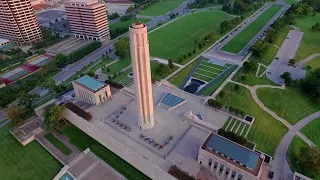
(122,48)
(271,35)
(236,87)
(27,100)
(292,62)
(170,63)
(310,158)
(311,84)
(249,66)
(29,52)
(60,59)
(259,48)
(287,78)
(316,27)
(52,115)
(14,113)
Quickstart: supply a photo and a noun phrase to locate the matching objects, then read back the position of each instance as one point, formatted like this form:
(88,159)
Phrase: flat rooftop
(90,83)
(236,154)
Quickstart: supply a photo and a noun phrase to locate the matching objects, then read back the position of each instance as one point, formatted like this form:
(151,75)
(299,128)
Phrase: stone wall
(132,157)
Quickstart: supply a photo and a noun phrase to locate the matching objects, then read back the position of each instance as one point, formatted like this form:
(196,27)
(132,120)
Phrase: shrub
(236,87)
(80,112)
(221,94)
(233,137)
(231,109)
(237,111)
(214,103)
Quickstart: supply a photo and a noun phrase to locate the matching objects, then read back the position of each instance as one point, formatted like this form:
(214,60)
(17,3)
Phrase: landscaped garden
(177,39)
(160,8)
(266,131)
(312,131)
(236,44)
(291,104)
(25,162)
(82,141)
(310,43)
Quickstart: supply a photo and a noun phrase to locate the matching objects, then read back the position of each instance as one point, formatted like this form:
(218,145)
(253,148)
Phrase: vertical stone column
(140,59)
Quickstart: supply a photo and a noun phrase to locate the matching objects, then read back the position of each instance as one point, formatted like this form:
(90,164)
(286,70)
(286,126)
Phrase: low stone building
(230,160)
(91,90)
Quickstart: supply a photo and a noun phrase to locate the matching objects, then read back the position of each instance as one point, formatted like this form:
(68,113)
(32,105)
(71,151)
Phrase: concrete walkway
(306,60)
(280,165)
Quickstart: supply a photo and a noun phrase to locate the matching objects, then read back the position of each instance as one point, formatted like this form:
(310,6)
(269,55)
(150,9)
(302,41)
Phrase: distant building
(230,160)
(88,19)
(18,22)
(298,176)
(90,90)
(38,5)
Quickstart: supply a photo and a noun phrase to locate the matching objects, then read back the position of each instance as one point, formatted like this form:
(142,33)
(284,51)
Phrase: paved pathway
(280,165)
(164,61)
(306,60)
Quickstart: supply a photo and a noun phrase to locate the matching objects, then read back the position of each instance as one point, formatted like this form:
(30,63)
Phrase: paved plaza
(286,52)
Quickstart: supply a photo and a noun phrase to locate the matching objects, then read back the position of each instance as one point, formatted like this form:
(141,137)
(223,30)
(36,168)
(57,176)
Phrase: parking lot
(50,16)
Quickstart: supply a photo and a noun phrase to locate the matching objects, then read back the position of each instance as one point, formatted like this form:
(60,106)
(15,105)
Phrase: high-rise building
(140,60)
(88,19)
(18,22)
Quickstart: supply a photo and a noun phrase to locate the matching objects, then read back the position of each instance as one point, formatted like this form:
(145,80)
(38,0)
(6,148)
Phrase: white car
(66,69)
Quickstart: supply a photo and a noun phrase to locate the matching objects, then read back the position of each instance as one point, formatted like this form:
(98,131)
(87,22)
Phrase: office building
(140,60)
(18,22)
(91,91)
(88,19)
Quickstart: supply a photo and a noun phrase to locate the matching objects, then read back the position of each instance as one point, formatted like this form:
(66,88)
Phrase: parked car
(277,58)
(271,174)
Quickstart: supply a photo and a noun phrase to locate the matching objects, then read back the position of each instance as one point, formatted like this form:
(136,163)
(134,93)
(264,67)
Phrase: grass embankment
(178,38)
(310,43)
(266,131)
(242,39)
(311,130)
(58,144)
(161,8)
(25,162)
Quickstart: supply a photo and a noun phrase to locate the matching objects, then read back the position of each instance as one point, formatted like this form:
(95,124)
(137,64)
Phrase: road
(216,51)
(280,165)
(77,66)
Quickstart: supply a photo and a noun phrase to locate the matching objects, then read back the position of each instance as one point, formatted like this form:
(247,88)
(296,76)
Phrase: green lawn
(215,85)
(202,77)
(118,66)
(266,131)
(122,75)
(211,74)
(310,43)
(311,130)
(281,36)
(251,79)
(154,73)
(294,152)
(291,104)
(126,24)
(58,144)
(177,38)
(161,8)
(314,63)
(290,1)
(101,64)
(179,78)
(241,40)
(82,141)
(25,162)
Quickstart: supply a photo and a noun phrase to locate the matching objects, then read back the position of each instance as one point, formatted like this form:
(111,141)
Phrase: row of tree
(61,59)
(49,38)
(241,7)
(202,3)
(112,16)
(226,26)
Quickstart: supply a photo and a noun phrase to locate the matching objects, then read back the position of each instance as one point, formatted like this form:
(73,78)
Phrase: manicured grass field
(25,162)
(314,63)
(207,73)
(291,104)
(154,73)
(218,71)
(312,131)
(177,38)
(161,8)
(310,43)
(266,131)
(126,24)
(202,77)
(179,78)
(281,36)
(122,75)
(215,85)
(238,127)
(236,44)
(58,144)
(294,153)
(118,66)
(82,141)
(251,79)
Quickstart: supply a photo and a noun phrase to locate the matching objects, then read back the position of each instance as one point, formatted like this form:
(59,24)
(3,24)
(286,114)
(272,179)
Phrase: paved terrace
(187,137)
